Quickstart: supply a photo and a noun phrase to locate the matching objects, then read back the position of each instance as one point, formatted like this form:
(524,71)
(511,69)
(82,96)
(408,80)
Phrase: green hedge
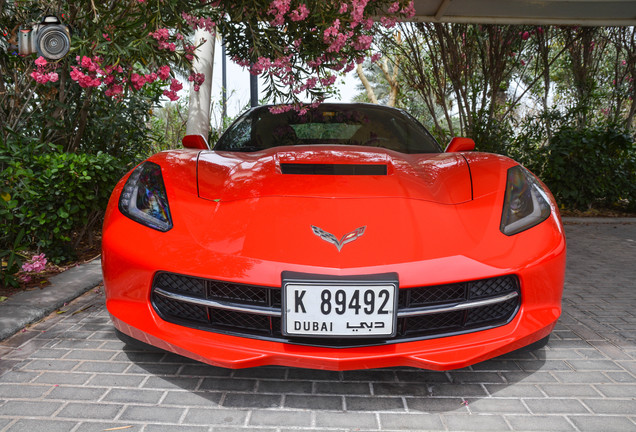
(591,167)
(51,200)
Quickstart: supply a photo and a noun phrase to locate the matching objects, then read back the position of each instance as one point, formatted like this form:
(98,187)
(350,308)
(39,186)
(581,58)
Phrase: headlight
(144,198)
(526,203)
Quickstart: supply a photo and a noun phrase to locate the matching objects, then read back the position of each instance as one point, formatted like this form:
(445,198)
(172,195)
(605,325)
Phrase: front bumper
(128,302)
(233,352)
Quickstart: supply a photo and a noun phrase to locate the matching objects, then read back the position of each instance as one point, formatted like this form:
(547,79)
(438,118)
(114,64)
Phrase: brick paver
(70,373)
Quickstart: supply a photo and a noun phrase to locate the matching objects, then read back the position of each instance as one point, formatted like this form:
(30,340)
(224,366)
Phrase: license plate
(339,308)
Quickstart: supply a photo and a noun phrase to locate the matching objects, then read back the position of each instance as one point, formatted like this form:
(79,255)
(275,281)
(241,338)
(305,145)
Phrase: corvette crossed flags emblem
(330,238)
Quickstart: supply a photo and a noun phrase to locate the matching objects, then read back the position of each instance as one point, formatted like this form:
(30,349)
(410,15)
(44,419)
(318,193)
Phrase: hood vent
(333,169)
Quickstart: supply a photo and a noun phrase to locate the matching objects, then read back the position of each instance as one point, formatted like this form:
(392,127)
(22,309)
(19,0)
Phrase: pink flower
(36,264)
(278,8)
(150,78)
(175,85)
(197,79)
(198,23)
(109,80)
(388,21)
(189,49)
(164,72)
(349,67)
(409,11)
(300,13)
(167,46)
(40,261)
(394,8)
(171,95)
(75,73)
(357,10)
(85,80)
(363,42)
(525,35)
(114,90)
(279,109)
(331,31)
(86,62)
(39,77)
(334,38)
(262,64)
(161,34)
(137,81)
(327,81)
(42,74)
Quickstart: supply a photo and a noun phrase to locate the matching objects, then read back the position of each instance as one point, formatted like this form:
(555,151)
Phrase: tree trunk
(52,133)
(366,84)
(200,101)
(394,86)
(81,123)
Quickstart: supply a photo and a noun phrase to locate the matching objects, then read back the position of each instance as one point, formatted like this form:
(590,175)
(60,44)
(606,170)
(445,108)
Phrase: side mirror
(459,144)
(195,142)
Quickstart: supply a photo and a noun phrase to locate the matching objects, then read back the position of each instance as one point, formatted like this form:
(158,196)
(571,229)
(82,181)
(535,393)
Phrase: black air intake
(333,169)
(424,312)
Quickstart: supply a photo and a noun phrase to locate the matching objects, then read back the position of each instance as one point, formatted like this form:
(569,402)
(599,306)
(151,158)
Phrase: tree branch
(366,84)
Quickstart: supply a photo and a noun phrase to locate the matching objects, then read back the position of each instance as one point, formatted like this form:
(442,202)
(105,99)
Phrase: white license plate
(333,309)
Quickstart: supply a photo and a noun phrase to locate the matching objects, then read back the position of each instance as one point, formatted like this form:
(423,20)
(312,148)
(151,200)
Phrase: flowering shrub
(299,46)
(35,265)
(90,72)
(296,45)
(42,73)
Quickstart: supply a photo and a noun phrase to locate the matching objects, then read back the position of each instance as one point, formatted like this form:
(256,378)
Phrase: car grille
(254,311)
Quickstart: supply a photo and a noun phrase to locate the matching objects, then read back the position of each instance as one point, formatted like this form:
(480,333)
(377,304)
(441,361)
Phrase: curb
(27,307)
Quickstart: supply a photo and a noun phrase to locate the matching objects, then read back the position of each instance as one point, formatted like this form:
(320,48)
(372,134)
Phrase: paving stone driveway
(70,373)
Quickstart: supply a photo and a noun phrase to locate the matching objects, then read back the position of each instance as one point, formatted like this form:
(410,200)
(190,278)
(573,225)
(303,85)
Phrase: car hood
(333,172)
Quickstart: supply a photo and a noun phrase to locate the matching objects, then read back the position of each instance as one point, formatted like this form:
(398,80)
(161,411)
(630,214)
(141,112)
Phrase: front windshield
(362,125)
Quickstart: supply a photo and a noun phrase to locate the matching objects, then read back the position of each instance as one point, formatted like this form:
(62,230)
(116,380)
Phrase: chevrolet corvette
(339,238)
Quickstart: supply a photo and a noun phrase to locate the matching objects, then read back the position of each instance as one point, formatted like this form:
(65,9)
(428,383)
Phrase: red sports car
(340,238)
